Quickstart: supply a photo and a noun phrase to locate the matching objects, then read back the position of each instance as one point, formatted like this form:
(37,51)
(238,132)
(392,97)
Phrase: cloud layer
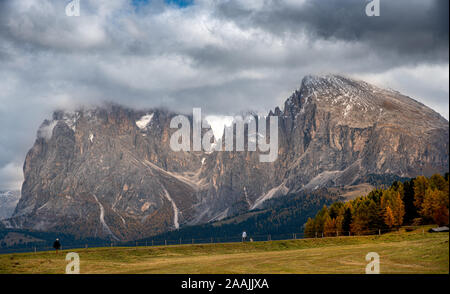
(223,56)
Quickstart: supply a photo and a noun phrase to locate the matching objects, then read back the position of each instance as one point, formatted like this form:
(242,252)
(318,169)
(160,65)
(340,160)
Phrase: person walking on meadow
(56,245)
(244,236)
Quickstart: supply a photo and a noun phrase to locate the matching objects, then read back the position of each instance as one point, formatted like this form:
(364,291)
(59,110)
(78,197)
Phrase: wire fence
(41,246)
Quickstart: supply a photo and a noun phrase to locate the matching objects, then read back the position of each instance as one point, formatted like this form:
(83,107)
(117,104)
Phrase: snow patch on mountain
(143,122)
(70,119)
(174,207)
(102,219)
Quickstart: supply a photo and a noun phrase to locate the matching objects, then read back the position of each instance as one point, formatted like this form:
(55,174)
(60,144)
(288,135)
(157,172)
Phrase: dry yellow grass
(412,252)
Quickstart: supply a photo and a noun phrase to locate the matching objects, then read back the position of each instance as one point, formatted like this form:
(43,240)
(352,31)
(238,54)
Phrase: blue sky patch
(179,3)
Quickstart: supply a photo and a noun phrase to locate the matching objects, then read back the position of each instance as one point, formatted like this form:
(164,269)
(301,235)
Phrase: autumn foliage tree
(435,206)
(393,208)
(330,227)
(384,209)
(389,218)
(420,187)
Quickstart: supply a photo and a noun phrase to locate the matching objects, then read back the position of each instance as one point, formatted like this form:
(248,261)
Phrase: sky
(223,56)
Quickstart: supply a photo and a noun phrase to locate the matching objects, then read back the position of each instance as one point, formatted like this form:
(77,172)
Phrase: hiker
(56,245)
(244,236)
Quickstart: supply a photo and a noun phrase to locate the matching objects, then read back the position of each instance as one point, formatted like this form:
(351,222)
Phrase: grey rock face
(109,172)
(8,202)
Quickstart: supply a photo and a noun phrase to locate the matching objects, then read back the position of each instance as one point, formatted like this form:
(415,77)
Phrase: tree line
(416,201)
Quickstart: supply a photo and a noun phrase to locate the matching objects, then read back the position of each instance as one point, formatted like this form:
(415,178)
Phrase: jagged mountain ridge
(110,172)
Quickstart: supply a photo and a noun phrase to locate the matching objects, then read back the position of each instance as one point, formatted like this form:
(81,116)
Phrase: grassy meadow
(400,252)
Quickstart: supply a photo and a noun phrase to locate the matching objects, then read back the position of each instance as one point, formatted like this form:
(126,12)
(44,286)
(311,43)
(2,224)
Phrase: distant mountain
(109,172)
(8,202)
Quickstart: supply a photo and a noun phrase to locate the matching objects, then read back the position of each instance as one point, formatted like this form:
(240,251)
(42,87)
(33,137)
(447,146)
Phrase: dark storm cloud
(411,28)
(224,56)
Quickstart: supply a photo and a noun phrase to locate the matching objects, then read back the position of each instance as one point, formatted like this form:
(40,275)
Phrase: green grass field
(400,252)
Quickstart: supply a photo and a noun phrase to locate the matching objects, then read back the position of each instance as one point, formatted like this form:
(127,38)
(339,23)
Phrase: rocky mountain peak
(334,82)
(109,171)
(359,104)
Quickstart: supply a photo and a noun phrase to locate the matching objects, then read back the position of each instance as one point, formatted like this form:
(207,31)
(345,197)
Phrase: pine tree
(347,221)
(399,209)
(436,206)
(335,209)
(321,218)
(392,199)
(408,200)
(310,228)
(330,227)
(339,222)
(438,182)
(420,187)
(389,218)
